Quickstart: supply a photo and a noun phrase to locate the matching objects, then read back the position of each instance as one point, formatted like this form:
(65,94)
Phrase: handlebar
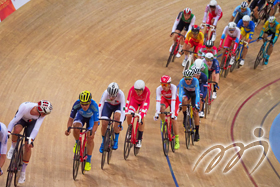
(166,113)
(134,115)
(178,34)
(207,25)
(20,135)
(81,128)
(190,51)
(111,120)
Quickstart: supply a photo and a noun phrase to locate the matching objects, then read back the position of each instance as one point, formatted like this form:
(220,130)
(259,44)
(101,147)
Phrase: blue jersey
(215,67)
(193,87)
(276,1)
(91,113)
(203,84)
(249,29)
(238,10)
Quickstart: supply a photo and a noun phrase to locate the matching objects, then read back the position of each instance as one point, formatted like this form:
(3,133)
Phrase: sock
(25,163)
(186,57)
(196,128)
(14,144)
(176,138)
(89,158)
(267,56)
(117,137)
(140,134)
(214,88)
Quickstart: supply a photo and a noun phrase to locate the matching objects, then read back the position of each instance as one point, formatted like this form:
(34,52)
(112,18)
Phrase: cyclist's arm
(173,99)
(223,36)
(240,24)
(205,14)
(197,94)
(237,39)
(101,103)
(275,2)
(236,10)
(36,128)
(216,19)
(122,101)
(191,23)
(205,71)
(276,33)
(202,38)
(128,99)
(204,84)
(17,117)
(181,90)
(158,98)
(145,106)
(177,20)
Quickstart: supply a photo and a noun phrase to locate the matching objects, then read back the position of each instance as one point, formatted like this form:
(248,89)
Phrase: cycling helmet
(246,18)
(44,106)
(196,70)
(209,57)
(165,79)
(244,5)
(271,19)
(139,85)
(188,73)
(187,11)
(198,63)
(209,43)
(113,89)
(195,28)
(232,25)
(85,96)
(213,3)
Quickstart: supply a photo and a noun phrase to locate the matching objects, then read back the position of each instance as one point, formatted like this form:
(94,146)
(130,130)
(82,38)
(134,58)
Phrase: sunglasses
(188,78)
(84,104)
(212,6)
(164,84)
(138,90)
(231,29)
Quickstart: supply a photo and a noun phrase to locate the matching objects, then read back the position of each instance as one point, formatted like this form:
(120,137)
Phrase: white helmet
(113,89)
(271,19)
(139,85)
(209,56)
(44,106)
(198,63)
(188,73)
(232,25)
(213,3)
(246,18)
(244,5)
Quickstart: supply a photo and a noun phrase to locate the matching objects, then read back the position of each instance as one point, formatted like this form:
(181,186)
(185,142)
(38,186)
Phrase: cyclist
(203,85)
(166,95)
(242,10)
(189,92)
(113,100)
(3,145)
(247,28)
(233,34)
(255,7)
(184,22)
(31,116)
(84,110)
(195,39)
(213,71)
(214,15)
(138,96)
(273,8)
(208,48)
(271,27)
(199,63)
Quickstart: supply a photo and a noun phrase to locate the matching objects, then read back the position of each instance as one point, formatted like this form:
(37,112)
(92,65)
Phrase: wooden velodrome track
(54,49)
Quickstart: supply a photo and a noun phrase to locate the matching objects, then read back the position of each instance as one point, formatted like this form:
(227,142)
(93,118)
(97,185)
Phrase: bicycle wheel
(127,142)
(237,57)
(136,150)
(173,139)
(206,104)
(222,67)
(105,148)
(261,15)
(12,167)
(18,165)
(84,161)
(193,131)
(171,54)
(210,101)
(227,68)
(259,57)
(165,140)
(111,143)
(187,133)
(76,160)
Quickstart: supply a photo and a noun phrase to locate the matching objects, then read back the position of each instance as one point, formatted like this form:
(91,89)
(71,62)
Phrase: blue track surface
(274,137)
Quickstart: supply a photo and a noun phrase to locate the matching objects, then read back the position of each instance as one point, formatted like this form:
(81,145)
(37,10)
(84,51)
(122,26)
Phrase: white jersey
(216,14)
(24,113)
(3,138)
(120,99)
(235,34)
(169,95)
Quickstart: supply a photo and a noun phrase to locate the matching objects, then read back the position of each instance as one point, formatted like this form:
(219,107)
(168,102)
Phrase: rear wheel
(259,57)
(19,165)
(165,141)
(127,142)
(76,160)
(136,149)
(171,54)
(227,68)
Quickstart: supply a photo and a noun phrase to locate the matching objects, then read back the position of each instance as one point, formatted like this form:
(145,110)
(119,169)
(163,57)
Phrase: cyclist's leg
(144,107)
(195,115)
(270,48)
(132,108)
(90,140)
(245,48)
(117,129)
(208,21)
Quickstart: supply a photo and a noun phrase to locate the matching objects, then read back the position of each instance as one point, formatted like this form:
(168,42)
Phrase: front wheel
(84,161)
(136,149)
(76,160)
(19,165)
(105,148)
(111,144)
(173,139)
(127,142)
(171,55)
(165,140)
(227,67)
(12,168)
(259,57)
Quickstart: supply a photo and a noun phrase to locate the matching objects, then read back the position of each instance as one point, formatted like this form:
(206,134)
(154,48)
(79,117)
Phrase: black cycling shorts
(258,3)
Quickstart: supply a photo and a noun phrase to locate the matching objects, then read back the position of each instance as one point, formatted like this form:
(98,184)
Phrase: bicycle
(131,136)
(189,126)
(175,48)
(265,12)
(262,53)
(168,135)
(225,66)
(208,99)
(212,33)
(238,56)
(80,155)
(16,161)
(108,141)
(191,59)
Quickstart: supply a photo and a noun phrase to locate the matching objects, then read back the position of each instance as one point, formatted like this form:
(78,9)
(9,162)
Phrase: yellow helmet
(85,96)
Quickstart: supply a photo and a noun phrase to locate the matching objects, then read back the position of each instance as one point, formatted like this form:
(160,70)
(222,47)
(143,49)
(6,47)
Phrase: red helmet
(44,107)
(187,11)
(165,79)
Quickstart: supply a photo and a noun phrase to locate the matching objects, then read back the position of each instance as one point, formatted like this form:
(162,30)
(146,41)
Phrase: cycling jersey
(250,29)
(3,138)
(199,39)
(214,67)
(170,95)
(275,29)
(193,87)
(203,50)
(275,2)
(235,35)
(118,100)
(204,69)
(238,10)
(134,101)
(181,22)
(203,84)
(91,114)
(217,13)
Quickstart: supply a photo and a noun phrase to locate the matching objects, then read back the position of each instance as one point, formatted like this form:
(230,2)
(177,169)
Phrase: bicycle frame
(169,125)
(208,27)
(175,48)
(82,145)
(190,59)
(134,130)
(239,54)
